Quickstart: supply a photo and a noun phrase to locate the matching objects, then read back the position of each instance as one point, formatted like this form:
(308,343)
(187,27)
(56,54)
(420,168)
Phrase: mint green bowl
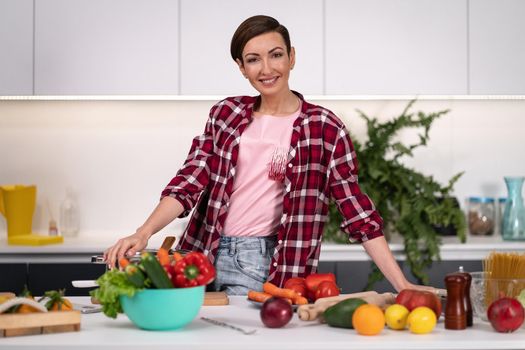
(163,309)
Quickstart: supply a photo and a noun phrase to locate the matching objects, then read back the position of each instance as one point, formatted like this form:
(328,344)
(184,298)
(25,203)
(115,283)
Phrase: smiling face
(266,64)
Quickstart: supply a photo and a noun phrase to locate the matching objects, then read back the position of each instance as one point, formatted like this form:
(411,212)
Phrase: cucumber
(135,276)
(155,271)
(340,314)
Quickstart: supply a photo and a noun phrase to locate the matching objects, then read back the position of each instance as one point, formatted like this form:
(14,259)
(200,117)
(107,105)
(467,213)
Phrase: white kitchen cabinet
(497,46)
(118,47)
(396,47)
(16,47)
(206,30)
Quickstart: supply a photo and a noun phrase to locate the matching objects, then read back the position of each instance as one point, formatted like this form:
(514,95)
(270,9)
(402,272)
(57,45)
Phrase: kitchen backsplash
(117,156)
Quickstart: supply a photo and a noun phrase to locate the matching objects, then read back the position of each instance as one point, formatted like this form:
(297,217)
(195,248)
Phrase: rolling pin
(311,312)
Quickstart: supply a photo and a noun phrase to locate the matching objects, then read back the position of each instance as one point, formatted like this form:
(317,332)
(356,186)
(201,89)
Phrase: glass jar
(481,216)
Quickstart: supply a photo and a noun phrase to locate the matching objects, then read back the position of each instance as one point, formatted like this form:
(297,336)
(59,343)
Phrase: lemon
(396,316)
(421,320)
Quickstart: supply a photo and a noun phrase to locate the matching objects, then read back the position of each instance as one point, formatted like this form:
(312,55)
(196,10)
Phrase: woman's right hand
(125,247)
(165,212)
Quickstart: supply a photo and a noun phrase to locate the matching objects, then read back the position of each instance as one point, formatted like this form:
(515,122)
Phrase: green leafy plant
(410,203)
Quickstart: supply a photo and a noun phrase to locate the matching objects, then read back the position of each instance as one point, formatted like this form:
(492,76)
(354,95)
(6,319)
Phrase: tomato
(299,289)
(312,281)
(412,298)
(326,289)
(293,281)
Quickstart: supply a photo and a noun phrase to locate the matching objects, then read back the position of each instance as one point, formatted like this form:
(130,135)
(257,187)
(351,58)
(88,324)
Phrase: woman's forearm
(166,211)
(380,252)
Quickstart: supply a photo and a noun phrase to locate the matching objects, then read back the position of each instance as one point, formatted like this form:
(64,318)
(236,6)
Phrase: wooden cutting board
(39,323)
(216,298)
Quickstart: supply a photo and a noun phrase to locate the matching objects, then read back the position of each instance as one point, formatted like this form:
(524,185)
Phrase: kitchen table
(99,332)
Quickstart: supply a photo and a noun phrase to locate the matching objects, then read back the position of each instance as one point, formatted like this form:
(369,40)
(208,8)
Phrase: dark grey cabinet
(352,276)
(40,277)
(13,277)
(43,277)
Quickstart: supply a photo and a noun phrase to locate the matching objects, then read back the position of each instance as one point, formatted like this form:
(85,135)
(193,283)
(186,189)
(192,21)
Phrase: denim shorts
(243,263)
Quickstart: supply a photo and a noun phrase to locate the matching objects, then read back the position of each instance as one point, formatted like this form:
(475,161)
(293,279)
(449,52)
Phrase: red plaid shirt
(321,165)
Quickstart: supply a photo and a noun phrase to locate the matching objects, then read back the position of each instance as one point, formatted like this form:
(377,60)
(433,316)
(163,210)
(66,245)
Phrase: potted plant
(411,204)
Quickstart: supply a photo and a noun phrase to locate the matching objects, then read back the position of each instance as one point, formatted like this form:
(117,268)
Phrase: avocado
(340,314)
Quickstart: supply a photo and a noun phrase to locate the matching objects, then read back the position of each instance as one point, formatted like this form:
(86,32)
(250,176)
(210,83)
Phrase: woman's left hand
(422,287)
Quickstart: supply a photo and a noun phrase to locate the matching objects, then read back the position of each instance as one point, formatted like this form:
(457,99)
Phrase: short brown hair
(253,27)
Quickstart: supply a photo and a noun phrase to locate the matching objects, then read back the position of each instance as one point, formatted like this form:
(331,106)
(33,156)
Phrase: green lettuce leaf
(112,284)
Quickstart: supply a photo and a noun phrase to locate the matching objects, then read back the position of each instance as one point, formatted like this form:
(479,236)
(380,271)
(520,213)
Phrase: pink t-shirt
(257,199)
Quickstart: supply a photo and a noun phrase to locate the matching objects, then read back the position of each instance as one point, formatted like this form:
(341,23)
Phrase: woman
(261,177)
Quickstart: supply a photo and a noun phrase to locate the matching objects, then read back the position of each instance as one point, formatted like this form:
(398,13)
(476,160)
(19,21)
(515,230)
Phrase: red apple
(506,314)
(276,312)
(411,298)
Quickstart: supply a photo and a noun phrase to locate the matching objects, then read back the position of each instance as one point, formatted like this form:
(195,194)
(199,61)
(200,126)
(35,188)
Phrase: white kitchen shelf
(476,248)
(81,248)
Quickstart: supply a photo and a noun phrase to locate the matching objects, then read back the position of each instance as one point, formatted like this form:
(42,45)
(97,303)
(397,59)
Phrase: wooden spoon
(168,242)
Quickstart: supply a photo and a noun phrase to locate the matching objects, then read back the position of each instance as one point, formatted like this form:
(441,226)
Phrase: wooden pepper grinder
(455,313)
(466,297)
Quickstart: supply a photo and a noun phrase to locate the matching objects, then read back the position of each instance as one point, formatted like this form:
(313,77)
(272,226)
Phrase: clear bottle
(69,215)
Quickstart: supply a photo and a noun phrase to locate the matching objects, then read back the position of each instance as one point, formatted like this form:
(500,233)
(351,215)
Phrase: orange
(368,319)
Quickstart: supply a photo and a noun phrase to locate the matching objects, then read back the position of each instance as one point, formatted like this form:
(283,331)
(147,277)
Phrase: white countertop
(81,248)
(100,332)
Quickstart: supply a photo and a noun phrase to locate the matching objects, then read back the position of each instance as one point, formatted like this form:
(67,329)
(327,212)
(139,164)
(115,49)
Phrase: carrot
(25,309)
(177,256)
(57,302)
(63,305)
(123,262)
(272,289)
(163,257)
(300,300)
(258,296)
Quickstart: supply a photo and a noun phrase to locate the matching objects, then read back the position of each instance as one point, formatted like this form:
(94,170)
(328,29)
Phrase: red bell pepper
(194,269)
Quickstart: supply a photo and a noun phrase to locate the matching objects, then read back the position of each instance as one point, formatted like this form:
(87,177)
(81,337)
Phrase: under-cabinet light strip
(217,97)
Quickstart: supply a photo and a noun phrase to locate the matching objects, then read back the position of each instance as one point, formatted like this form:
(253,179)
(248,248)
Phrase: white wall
(119,155)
